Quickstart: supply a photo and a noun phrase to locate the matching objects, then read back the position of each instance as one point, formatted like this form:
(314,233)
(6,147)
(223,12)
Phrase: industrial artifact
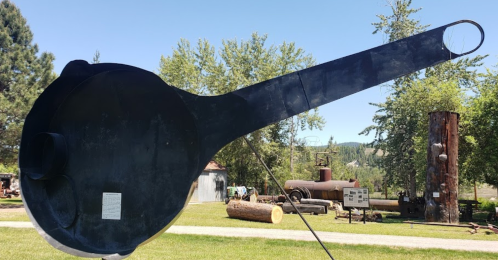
(7,187)
(101,134)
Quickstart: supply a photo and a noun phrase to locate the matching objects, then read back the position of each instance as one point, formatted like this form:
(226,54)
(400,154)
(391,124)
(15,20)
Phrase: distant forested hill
(353,151)
(349,144)
(355,160)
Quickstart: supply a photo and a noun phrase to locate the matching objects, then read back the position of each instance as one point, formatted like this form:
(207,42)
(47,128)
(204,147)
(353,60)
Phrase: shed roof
(213,166)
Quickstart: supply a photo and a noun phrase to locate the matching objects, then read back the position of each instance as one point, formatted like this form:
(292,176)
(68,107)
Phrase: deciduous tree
(237,64)
(480,142)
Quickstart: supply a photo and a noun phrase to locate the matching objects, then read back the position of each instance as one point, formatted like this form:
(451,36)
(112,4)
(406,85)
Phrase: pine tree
(96,57)
(400,129)
(23,76)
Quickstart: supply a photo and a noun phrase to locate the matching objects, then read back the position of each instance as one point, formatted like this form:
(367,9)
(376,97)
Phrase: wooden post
(475,193)
(441,194)
(385,188)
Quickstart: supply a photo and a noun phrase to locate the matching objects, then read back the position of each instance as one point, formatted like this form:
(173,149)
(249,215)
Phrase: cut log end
(276,215)
(254,211)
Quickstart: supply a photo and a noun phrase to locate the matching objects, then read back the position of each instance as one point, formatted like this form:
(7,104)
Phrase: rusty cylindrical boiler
(328,190)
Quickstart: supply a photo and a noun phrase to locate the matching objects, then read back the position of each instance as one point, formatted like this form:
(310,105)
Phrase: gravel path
(332,237)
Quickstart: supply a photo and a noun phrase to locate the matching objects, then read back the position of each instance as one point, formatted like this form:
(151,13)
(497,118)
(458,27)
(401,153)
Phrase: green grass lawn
(27,244)
(11,201)
(214,214)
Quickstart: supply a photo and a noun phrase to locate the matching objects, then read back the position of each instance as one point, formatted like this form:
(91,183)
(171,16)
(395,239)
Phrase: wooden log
(304,208)
(441,194)
(254,211)
(274,198)
(326,203)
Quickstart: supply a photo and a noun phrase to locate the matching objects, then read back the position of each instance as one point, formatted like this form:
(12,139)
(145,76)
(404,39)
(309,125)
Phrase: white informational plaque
(111,205)
(356,197)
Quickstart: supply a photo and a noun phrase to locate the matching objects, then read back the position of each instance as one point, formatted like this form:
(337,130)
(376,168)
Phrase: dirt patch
(12,210)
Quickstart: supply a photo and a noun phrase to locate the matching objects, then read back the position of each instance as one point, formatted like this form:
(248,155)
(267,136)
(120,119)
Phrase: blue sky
(139,32)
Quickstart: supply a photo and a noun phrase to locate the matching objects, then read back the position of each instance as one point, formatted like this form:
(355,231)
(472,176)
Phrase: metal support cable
(287,197)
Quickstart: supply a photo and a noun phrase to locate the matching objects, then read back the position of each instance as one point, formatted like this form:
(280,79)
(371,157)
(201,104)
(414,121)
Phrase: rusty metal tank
(325,188)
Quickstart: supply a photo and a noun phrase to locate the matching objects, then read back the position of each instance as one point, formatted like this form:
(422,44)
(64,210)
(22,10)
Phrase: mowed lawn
(27,244)
(214,214)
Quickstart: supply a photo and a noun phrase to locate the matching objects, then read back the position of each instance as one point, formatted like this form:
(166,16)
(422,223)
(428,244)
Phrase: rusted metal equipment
(6,189)
(466,208)
(411,207)
(322,159)
(474,226)
(493,228)
(408,208)
(327,190)
(98,127)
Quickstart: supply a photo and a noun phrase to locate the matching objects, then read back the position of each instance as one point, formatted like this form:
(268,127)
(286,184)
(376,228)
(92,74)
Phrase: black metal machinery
(98,127)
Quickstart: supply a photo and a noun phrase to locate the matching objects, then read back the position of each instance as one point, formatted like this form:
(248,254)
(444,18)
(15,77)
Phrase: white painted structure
(211,184)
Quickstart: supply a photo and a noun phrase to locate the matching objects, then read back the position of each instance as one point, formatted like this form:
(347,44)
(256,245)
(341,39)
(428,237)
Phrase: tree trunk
(441,195)
(413,184)
(254,211)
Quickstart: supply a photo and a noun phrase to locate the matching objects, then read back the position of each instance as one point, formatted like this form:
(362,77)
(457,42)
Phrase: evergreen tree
(96,57)
(400,129)
(23,76)
(199,70)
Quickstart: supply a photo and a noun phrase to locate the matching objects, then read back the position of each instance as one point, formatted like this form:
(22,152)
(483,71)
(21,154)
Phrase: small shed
(211,184)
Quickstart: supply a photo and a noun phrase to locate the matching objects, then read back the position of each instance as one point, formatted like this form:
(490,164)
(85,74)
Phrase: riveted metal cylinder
(325,174)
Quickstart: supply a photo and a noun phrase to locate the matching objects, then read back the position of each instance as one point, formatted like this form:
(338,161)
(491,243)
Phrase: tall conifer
(23,76)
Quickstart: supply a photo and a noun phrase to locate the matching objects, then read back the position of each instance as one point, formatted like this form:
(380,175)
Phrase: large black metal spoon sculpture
(109,151)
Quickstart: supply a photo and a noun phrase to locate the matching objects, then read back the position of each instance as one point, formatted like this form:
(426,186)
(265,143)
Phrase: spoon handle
(226,117)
